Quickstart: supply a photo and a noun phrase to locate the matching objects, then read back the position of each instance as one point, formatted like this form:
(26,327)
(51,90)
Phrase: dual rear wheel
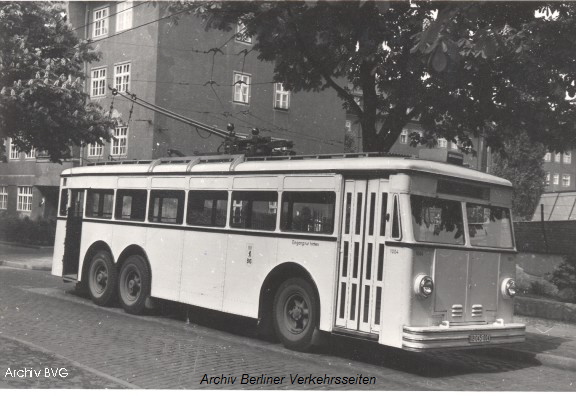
(131,285)
(295,310)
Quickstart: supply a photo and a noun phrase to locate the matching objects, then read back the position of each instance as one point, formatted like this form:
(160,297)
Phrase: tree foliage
(461,69)
(42,100)
(520,161)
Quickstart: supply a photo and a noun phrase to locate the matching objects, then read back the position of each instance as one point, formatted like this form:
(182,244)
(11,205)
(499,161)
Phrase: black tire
(296,314)
(102,279)
(134,285)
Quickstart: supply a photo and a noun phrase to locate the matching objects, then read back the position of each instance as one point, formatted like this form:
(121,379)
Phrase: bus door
(73,232)
(360,274)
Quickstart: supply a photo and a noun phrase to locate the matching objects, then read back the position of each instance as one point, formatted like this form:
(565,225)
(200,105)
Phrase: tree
(460,69)
(42,101)
(521,162)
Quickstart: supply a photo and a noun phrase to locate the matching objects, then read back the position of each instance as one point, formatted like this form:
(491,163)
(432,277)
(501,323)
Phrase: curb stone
(560,362)
(26,245)
(14,264)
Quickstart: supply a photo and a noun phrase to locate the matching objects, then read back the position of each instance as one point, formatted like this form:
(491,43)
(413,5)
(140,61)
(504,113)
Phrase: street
(51,337)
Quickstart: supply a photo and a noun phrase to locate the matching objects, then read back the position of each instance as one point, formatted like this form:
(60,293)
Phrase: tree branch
(342,92)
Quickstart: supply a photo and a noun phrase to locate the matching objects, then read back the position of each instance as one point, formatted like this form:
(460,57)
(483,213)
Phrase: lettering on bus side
(249,253)
(305,243)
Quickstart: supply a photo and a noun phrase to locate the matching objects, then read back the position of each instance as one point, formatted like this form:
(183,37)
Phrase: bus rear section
(427,263)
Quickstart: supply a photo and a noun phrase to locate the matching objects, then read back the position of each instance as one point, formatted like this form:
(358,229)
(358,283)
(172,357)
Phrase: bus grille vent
(457,310)
(477,310)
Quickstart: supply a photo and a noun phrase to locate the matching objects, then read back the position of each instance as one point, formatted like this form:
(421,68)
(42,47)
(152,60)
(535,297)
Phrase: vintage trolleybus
(410,253)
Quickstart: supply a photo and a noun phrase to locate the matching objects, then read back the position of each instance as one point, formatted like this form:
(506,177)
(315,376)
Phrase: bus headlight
(423,286)
(509,288)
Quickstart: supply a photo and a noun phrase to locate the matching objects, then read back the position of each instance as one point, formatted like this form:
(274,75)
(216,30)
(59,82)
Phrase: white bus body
(415,254)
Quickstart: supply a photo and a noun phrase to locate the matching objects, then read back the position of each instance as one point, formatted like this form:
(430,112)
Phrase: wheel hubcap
(100,279)
(297,314)
(133,285)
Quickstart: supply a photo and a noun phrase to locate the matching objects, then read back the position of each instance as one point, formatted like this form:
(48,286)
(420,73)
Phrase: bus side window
(131,205)
(310,212)
(254,210)
(99,203)
(207,208)
(64,202)
(396,234)
(166,207)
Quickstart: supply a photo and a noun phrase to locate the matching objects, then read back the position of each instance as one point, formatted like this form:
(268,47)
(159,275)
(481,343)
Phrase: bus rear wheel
(102,279)
(134,285)
(296,314)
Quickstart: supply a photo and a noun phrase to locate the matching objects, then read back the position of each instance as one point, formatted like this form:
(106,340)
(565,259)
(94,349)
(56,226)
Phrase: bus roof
(238,164)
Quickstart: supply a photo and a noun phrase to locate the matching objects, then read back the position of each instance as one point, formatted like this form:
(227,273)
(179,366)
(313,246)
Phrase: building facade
(213,77)
(560,171)
(29,183)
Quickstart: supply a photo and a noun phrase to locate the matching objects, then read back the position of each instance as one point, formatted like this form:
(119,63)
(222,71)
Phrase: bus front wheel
(134,285)
(102,279)
(296,314)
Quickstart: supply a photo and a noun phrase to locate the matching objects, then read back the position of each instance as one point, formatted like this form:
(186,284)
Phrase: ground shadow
(429,364)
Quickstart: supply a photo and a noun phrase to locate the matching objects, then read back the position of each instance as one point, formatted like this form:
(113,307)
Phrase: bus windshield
(489,226)
(437,220)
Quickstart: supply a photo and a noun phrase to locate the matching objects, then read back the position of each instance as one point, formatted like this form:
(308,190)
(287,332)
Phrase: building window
(24,199)
(101,22)
(547,178)
(565,180)
(548,157)
(98,82)
(13,153)
(30,154)
(241,35)
(557,157)
(241,88)
(3,197)
(122,77)
(404,137)
(124,16)
(120,141)
(568,157)
(95,149)
(442,143)
(281,97)
(454,146)
(555,179)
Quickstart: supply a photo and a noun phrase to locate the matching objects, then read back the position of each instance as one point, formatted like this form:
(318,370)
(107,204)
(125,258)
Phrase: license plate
(479,338)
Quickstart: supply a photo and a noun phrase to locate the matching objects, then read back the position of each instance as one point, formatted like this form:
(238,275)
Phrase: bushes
(24,230)
(564,277)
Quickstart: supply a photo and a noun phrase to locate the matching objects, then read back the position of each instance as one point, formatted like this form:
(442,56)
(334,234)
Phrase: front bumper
(462,336)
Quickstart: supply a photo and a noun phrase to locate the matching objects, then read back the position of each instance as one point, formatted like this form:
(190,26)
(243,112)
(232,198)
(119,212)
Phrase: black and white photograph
(356,195)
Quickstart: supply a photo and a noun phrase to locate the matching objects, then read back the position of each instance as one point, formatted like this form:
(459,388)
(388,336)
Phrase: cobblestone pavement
(28,367)
(161,352)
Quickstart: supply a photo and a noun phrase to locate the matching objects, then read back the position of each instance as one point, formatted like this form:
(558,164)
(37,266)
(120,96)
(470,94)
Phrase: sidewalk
(551,343)
(26,257)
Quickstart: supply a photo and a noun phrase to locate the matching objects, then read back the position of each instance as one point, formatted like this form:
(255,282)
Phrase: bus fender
(95,247)
(271,283)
